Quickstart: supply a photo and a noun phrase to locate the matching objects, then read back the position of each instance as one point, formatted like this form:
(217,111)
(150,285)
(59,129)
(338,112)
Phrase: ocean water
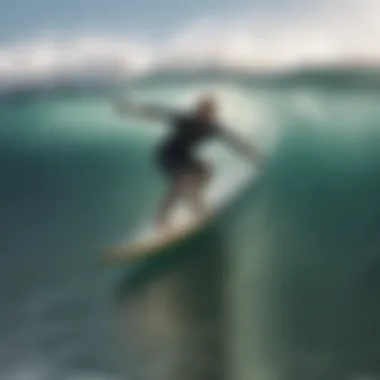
(301,249)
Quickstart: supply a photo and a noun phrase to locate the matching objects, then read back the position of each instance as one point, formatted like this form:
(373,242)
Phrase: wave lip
(340,34)
(104,82)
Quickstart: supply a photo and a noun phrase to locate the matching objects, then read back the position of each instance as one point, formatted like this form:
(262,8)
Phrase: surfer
(187,175)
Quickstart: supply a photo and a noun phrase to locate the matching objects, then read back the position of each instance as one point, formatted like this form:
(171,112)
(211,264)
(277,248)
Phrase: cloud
(336,32)
(332,32)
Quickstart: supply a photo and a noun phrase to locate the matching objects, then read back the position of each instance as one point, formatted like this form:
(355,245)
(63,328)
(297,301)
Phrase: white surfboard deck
(148,240)
(154,242)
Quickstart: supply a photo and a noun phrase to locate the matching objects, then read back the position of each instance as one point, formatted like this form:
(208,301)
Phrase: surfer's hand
(121,107)
(252,154)
(260,162)
(147,111)
(128,108)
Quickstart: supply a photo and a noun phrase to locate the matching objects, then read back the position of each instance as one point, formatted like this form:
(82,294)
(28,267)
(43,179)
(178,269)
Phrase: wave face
(304,257)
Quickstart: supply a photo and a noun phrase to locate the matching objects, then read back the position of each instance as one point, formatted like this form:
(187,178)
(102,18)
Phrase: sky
(20,18)
(41,37)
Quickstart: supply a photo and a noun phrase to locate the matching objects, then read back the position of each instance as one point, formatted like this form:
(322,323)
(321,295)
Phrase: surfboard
(156,242)
(151,243)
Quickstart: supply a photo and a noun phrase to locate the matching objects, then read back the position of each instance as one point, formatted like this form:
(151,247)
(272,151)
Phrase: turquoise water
(303,251)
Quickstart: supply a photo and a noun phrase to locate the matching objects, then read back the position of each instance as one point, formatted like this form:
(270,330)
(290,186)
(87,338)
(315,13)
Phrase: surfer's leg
(171,166)
(172,196)
(200,178)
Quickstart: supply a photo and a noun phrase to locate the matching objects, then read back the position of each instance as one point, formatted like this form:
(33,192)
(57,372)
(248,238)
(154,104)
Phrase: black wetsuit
(176,155)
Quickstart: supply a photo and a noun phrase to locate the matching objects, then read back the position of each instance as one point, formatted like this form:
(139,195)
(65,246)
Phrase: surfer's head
(206,107)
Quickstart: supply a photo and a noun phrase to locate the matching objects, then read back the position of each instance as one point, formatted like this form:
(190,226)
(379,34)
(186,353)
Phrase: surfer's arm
(241,147)
(127,108)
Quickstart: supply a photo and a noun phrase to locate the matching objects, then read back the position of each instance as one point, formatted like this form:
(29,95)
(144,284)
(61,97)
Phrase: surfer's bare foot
(204,214)
(197,204)
(161,225)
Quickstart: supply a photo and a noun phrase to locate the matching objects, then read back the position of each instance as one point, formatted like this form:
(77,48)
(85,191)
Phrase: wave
(325,77)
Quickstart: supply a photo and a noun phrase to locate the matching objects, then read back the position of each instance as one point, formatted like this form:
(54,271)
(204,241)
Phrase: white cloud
(338,31)
(334,33)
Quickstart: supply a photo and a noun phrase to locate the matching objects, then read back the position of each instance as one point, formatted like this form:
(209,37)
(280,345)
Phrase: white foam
(323,32)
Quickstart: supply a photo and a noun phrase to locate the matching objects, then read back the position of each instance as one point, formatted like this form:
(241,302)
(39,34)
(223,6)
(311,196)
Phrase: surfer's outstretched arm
(145,111)
(247,150)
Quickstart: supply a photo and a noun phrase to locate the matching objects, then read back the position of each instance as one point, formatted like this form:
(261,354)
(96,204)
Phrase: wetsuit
(176,155)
